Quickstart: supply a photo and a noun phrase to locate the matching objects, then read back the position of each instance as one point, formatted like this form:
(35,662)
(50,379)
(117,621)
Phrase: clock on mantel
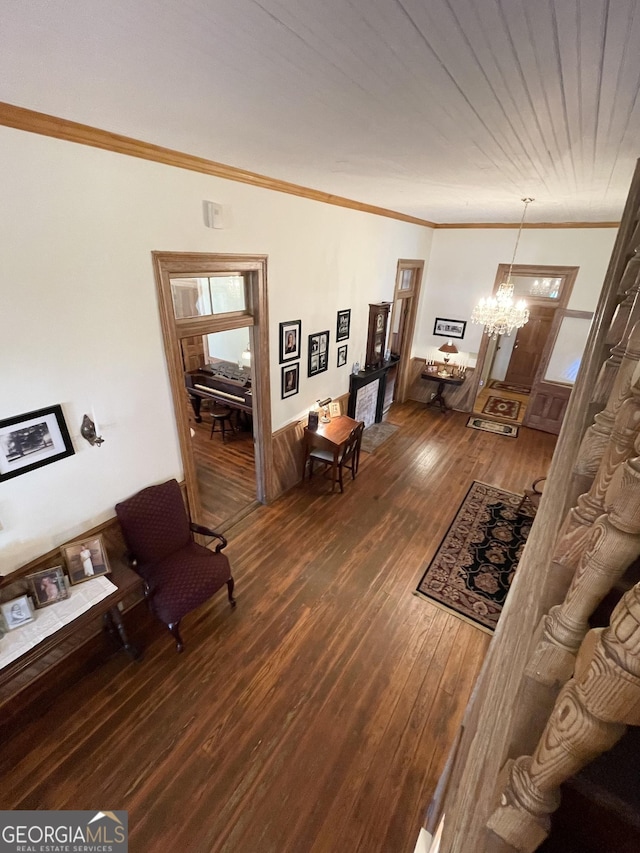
(377,335)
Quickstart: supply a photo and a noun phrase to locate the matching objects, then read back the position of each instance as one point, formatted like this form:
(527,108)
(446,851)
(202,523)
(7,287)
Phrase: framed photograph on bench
(86,559)
(48,586)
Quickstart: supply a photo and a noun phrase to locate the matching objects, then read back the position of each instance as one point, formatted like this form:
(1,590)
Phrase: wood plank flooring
(225,470)
(315,717)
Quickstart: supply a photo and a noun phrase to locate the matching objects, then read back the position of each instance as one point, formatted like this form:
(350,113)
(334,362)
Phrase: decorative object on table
(501,407)
(377,434)
(16,612)
(312,422)
(509,430)
(498,313)
(318,353)
(445,328)
(334,409)
(377,333)
(509,386)
(342,355)
(474,565)
(324,405)
(344,325)
(32,440)
(290,335)
(48,586)
(356,367)
(89,432)
(86,559)
(290,380)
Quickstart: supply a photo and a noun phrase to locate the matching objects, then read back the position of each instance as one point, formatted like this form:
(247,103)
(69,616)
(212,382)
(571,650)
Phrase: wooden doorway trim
(568,274)
(409,296)
(256,319)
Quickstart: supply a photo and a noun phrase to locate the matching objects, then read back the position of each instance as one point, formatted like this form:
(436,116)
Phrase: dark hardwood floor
(315,717)
(225,470)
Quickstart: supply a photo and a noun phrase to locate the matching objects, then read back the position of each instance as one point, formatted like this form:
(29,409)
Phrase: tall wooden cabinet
(377,334)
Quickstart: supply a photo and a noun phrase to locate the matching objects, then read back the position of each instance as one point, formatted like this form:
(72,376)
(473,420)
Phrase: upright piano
(211,383)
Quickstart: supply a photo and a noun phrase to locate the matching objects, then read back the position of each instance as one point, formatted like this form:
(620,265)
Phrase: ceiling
(448,110)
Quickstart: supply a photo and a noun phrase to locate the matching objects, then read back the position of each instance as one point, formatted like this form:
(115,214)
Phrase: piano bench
(221,416)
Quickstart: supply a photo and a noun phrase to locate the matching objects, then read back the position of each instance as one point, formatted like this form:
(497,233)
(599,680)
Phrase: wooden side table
(443,381)
(332,437)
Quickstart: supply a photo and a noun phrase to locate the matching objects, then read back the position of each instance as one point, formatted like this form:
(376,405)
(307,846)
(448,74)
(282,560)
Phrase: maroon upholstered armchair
(179,574)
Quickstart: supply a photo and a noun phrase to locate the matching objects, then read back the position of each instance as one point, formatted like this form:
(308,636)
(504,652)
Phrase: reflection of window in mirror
(230,352)
(207,295)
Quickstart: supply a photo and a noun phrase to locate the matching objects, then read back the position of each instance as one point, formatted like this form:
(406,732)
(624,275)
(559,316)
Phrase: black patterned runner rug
(474,565)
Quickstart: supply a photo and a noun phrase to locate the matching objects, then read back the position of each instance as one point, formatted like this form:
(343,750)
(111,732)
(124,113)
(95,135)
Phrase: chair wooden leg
(230,586)
(174,627)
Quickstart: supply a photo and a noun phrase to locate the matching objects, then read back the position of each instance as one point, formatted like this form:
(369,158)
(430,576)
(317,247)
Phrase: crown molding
(31,121)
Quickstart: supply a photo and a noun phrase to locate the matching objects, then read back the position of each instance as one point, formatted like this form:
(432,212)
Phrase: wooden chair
(349,457)
(179,574)
(221,416)
(532,496)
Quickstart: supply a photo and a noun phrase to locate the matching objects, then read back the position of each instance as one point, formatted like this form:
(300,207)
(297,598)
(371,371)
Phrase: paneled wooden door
(529,346)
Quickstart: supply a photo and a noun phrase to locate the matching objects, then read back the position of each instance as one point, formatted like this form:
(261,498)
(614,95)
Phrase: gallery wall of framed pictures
(290,350)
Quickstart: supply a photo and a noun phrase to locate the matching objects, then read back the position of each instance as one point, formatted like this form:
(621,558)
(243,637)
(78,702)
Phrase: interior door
(529,346)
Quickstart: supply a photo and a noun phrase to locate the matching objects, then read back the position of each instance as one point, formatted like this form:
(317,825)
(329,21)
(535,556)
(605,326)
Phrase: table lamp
(324,405)
(448,349)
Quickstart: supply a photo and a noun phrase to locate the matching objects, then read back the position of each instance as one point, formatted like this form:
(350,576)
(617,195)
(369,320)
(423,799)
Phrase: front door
(529,346)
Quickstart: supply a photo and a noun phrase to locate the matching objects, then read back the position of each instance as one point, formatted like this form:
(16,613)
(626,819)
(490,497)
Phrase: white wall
(464,262)
(80,323)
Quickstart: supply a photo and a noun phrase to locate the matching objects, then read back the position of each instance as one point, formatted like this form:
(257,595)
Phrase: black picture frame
(318,353)
(343,325)
(33,439)
(290,337)
(446,328)
(290,380)
(342,356)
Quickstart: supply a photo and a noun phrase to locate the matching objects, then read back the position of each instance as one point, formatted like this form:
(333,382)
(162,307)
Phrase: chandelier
(499,314)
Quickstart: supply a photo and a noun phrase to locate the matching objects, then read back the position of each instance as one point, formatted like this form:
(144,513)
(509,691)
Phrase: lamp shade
(449,347)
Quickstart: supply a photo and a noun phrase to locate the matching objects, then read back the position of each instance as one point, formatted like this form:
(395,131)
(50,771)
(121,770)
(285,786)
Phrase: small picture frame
(344,325)
(17,612)
(48,586)
(32,440)
(86,559)
(342,355)
(449,328)
(334,409)
(290,333)
(318,353)
(290,380)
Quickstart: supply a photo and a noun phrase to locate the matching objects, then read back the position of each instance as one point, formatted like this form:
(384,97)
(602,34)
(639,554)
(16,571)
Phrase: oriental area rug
(474,565)
(508,386)
(493,426)
(501,407)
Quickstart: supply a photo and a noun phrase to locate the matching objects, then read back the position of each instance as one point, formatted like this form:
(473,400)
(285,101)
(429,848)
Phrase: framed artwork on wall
(32,440)
(449,328)
(318,353)
(344,325)
(342,355)
(290,340)
(290,380)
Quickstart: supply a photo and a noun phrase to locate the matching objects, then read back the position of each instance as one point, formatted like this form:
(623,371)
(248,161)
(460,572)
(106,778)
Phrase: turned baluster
(589,717)
(612,545)
(595,445)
